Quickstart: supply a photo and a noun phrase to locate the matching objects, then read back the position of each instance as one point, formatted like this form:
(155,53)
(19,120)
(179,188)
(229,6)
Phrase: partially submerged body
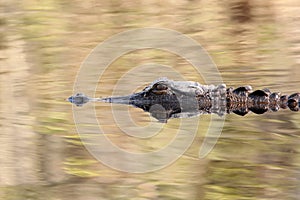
(166,99)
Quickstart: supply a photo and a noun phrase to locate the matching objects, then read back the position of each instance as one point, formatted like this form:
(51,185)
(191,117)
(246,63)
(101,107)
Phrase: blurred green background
(42,45)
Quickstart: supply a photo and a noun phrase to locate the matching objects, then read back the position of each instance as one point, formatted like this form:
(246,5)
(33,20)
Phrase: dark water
(43,44)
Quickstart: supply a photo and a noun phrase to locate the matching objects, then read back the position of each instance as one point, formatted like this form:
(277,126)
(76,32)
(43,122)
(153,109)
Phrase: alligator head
(166,98)
(163,98)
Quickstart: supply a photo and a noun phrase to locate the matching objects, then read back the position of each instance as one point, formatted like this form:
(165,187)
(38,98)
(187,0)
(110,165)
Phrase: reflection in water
(42,44)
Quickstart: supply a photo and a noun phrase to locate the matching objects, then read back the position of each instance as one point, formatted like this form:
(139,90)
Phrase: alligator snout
(78,99)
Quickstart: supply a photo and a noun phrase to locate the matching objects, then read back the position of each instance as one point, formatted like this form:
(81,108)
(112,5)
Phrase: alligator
(166,99)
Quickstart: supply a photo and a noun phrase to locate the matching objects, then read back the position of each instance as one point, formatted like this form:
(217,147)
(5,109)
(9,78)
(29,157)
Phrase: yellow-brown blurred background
(42,45)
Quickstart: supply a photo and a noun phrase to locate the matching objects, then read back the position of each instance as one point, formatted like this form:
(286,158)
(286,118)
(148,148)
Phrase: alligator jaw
(80,99)
(118,100)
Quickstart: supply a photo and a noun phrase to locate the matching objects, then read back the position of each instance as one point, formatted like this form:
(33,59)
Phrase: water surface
(42,45)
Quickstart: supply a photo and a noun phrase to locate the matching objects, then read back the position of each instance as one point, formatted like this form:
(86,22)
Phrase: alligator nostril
(70,99)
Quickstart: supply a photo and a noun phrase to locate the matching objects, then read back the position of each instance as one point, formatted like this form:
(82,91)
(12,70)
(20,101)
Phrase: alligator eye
(159,89)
